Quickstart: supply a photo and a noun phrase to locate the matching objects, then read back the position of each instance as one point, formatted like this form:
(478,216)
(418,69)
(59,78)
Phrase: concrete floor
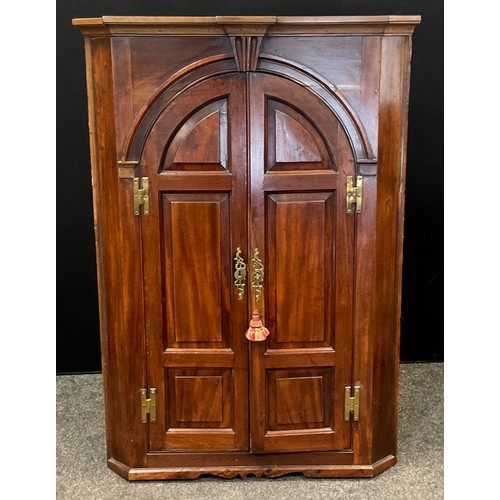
(419,474)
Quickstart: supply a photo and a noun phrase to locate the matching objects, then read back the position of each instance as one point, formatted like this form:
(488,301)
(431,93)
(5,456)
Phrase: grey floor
(82,471)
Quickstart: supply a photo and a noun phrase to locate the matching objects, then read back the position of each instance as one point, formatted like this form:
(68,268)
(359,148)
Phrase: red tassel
(257,330)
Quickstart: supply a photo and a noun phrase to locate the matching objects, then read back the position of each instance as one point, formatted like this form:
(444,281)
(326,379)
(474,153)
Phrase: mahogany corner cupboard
(248,182)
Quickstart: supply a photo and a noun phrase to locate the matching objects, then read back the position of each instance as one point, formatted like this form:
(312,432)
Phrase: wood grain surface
(247,136)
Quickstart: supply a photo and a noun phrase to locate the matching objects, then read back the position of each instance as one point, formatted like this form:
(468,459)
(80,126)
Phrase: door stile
(256,240)
(345,255)
(240,200)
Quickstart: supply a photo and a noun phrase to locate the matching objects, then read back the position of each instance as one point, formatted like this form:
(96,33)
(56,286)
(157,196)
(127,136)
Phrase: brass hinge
(351,403)
(148,405)
(141,195)
(354,194)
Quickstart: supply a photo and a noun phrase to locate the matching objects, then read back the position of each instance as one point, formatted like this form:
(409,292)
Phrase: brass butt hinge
(148,405)
(351,403)
(354,194)
(141,195)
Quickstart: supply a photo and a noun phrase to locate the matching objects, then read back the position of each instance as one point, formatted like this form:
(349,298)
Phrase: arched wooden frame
(223,64)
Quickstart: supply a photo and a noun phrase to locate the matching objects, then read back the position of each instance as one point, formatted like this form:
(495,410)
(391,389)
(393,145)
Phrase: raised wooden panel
(199,398)
(301,234)
(293,142)
(198,257)
(300,409)
(200,409)
(200,144)
(305,409)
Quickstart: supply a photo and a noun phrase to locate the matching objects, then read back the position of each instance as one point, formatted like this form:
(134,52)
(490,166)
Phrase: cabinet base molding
(270,471)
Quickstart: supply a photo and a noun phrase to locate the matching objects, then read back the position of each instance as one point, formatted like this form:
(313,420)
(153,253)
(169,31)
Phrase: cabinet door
(300,157)
(195,159)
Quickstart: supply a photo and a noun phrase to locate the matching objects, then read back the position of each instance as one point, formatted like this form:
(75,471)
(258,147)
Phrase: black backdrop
(78,347)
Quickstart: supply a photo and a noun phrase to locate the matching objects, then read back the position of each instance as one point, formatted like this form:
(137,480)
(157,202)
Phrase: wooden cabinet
(240,166)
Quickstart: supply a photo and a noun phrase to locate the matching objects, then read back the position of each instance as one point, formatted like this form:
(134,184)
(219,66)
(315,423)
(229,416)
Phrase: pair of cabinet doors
(248,170)
(247,164)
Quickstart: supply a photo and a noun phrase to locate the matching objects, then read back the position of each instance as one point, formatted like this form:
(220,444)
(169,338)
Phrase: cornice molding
(248,25)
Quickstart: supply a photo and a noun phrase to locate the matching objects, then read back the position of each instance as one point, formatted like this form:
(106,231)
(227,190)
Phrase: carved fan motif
(246,51)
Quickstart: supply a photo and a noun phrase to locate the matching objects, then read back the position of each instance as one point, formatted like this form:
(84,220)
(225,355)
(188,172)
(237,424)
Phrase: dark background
(78,348)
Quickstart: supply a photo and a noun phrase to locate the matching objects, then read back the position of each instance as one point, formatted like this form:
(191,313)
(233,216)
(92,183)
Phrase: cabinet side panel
(389,228)
(119,269)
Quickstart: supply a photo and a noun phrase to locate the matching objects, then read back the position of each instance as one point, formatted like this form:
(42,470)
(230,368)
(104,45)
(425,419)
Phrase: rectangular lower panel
(299,399)
(200,409)
(299,409)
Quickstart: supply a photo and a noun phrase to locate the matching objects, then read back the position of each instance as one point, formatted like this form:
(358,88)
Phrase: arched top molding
(225,64)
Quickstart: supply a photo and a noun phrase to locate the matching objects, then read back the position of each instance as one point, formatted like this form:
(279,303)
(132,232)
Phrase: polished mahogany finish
(247,129)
